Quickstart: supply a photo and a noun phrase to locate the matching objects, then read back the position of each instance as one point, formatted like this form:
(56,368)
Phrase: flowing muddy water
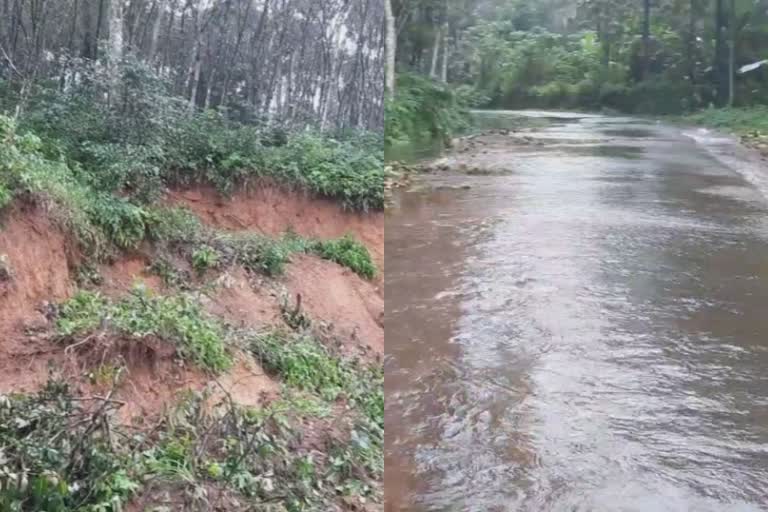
(584,329)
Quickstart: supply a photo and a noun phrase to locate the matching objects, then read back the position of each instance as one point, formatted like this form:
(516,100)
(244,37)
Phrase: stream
(584,328)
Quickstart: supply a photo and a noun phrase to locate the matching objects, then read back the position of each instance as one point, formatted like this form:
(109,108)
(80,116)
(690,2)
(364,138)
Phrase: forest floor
(293,414)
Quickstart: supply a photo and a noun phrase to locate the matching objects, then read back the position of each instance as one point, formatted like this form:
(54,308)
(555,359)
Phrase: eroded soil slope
(40,270)
(273,211)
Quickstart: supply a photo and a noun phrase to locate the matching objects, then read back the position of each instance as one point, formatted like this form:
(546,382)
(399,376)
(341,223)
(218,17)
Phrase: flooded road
(582,328)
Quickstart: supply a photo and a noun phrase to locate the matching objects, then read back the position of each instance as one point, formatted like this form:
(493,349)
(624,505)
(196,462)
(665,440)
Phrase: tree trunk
(209,89)
(646,66)
(115,31)
(435,54)
(732,55)
(158,10)
(721,66)
(99,23)
(692,42)
(115,47)
(390,48)
(196,62)
(444,67)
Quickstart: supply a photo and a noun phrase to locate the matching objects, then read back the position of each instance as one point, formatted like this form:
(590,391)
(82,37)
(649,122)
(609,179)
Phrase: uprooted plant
(88,317)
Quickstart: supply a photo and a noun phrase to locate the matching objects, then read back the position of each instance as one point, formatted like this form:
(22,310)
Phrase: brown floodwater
(586,329)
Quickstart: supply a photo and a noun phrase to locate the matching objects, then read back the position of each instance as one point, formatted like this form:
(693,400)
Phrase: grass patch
(303,363)
(749,122)
(177,319)
(179,230)
(349,253)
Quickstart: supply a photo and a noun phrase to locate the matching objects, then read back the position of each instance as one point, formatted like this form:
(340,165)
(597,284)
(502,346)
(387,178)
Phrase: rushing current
(584,329)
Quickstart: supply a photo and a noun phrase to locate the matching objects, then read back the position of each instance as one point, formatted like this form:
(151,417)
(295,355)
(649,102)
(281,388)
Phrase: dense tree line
(637,55)
(292,61)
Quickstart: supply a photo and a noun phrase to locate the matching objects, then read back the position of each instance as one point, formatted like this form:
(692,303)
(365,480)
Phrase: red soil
(125,274)
(329,293)
(334,294)
(39,257)
(244,303)
(272,211)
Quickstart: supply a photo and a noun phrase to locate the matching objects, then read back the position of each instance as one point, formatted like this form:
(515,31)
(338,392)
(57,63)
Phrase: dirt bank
(272,211)
(38,270)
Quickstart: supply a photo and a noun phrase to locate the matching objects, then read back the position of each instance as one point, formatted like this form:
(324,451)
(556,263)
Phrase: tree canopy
(292,61)
(664,56)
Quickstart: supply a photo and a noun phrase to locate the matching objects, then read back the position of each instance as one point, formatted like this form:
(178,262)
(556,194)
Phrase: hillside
(296,349)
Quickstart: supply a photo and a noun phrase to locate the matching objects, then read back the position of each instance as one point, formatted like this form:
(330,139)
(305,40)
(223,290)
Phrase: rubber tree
(721,64)
(646,65)
(391,47)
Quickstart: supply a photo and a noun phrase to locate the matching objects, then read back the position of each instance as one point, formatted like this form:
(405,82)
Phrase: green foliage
(423,110)
(256,253)
(207,248)
(172,276)
(173,225)
(60,455)
(56,456)
(124,223)
(81,314)
(152,141)
(204,258)
(751,122)
(591,54)
(348,252)
(5,196)
(350,171)
(178,319)
(303,363)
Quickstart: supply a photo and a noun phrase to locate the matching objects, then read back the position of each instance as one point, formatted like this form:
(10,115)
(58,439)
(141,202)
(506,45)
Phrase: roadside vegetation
(424,110)
(746,122)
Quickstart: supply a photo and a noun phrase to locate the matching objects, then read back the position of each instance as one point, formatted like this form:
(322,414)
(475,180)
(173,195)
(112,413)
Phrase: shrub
(204,258)
(177,319)
(124,223)
(173,225)
(349,253)
(150,140)
(423,109)
(82,313)
(5,196)
(57,457)
(305,364)
(301,363)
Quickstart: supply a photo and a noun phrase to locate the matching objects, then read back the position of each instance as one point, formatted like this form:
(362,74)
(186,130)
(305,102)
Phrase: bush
(305,364)
(203,259)
(57,456)
(148,140)
(749,122)
(423,110)
(301,363)
(177,319)
(124,223)
(349,253)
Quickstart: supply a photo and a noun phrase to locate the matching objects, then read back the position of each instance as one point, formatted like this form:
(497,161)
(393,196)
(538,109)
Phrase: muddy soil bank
(40,267)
